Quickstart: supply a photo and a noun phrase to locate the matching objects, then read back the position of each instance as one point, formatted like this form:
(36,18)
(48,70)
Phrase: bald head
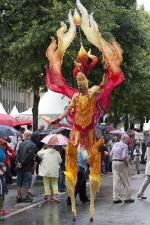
(27,134)
(125,138)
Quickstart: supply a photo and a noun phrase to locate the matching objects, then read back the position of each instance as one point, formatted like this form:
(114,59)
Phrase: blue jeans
(24,179)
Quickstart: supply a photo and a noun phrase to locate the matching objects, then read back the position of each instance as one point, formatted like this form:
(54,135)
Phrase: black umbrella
(6,131)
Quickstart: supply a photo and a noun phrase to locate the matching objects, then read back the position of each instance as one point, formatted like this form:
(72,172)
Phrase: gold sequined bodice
(85,106)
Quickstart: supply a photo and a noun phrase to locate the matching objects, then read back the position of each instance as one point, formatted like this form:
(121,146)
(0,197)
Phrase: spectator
(25,136)
(22,130)
(80,187)
(62,184)
(29,127)
(36,137)
(105,159)
(25,161)
(143,151)
(147,176)
(49,170)
(137,157)
(3,184)
(120,166)
(110,143)
(14,139)
(10,155)
(41,128)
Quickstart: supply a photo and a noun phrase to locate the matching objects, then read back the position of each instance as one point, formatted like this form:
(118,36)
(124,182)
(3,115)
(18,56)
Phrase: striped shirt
(119,151)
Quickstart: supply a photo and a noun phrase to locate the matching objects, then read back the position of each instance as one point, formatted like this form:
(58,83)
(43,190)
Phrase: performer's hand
(46,119)
(55,122)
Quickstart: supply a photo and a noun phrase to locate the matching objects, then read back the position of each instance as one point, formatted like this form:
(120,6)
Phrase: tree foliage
(134,35)
(26,27)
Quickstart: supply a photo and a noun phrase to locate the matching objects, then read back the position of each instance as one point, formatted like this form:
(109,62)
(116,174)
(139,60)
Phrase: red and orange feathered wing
(112,58)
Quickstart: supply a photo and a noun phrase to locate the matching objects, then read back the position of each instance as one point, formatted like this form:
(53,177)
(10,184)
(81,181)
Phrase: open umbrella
(117,132)
(6,131)
(108,128)
(55,139)
(22,122)
(8,120)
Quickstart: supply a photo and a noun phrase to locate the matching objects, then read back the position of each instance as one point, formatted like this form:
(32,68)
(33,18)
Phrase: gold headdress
(81,78)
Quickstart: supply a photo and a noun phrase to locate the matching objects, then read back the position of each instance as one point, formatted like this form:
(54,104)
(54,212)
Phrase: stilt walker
(87,105)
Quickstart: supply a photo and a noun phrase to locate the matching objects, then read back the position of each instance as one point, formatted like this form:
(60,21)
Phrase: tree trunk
(115,119)
(141,124)
(131,126)
(36,99)
(126,122)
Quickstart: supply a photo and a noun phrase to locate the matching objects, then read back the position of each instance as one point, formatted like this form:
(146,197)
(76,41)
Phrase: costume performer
(87,105)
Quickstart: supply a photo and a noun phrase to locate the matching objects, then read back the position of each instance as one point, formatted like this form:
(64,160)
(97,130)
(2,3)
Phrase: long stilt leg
(93,189)
(95,170)
(71,174)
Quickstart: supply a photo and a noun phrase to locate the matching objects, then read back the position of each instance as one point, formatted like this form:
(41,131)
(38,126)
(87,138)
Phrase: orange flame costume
(85,110)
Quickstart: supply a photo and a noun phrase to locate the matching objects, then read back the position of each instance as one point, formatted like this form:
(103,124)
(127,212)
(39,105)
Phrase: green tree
(26,29)
(133,35)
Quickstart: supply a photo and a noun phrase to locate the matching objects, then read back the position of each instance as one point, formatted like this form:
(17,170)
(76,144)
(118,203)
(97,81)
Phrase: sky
(146,4)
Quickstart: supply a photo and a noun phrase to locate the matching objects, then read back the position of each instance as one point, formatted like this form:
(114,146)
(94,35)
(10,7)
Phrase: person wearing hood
(49,170)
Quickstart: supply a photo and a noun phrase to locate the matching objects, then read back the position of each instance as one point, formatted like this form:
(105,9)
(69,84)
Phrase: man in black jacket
(25,161)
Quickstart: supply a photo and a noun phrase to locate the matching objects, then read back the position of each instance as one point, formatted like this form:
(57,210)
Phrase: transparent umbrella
(117,132)
(55,139)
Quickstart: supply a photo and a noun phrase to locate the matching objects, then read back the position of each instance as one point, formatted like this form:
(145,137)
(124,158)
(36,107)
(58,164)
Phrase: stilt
(91,219)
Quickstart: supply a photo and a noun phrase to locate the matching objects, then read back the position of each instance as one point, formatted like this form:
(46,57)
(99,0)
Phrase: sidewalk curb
(25,208)
(34,205)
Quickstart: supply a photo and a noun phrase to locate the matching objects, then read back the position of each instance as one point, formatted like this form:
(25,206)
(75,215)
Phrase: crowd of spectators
(24,156)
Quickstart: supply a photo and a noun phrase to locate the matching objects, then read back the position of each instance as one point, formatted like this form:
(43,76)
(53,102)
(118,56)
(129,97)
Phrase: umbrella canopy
(8,120)
(108,129)
(6,131)
(55,139)
(22,122)
(117,132)
(100,127)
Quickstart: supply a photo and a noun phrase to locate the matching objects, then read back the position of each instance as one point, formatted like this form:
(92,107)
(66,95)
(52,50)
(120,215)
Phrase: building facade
(11,94)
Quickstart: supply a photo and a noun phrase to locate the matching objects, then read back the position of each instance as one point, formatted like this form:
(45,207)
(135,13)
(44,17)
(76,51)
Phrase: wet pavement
(106,213)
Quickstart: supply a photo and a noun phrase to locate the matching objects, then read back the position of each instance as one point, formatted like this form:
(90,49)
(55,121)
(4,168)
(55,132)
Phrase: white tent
(27,112)
(14,111)
(2,110)
(51,104)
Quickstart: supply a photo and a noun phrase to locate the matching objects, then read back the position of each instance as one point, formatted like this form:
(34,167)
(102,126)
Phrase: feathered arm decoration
(54,78)
(112,58)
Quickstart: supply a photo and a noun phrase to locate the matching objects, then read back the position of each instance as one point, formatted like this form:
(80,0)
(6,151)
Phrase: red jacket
(10,154)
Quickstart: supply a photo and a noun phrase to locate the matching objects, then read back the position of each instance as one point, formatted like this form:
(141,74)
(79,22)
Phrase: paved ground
(106,213)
